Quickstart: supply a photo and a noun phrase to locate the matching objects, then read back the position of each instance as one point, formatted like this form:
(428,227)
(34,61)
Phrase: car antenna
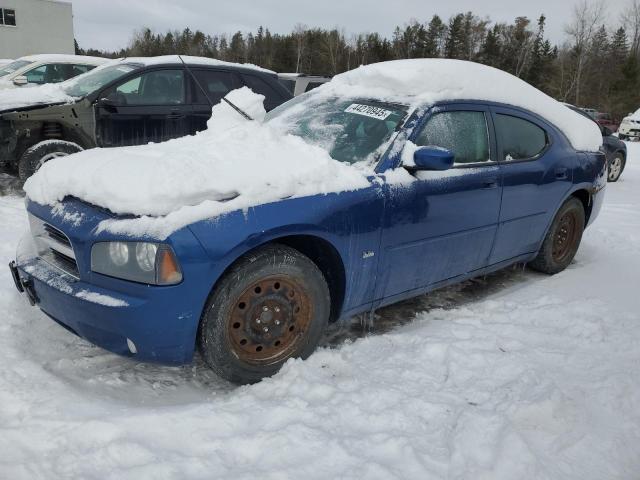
(232,105)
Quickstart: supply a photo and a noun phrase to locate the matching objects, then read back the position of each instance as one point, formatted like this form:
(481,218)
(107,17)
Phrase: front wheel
(615,168)
(36,156)
(271,306)
(562,240)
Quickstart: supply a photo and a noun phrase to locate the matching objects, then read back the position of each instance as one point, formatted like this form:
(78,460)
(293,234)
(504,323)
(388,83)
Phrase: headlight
(144,262)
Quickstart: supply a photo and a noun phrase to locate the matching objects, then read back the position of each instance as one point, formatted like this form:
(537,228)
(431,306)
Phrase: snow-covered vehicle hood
(234,164)
(14,99)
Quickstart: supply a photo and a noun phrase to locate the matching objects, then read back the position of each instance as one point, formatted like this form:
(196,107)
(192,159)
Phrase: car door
(536,163)
(208,88)
(442,224)
(147,107)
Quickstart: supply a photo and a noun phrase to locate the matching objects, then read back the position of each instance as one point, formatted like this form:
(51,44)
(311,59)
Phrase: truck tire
(34,157)
(562,240)
(272,305)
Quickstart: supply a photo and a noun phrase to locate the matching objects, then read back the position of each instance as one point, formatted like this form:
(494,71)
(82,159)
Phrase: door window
(160,87)
(215,83)
(463,133)
(520,139)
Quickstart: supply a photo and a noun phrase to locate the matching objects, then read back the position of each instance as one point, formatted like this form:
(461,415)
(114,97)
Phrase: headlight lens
(152,263)
(119,253)
(146,256)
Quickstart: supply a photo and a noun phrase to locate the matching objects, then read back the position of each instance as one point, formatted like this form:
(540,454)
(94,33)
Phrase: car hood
(17,99)
(235,164)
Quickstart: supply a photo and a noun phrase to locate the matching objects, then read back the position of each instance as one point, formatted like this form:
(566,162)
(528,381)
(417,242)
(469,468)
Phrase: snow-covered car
(630,127)
(125,102)
(299,83)
(5,61)
(46,68)
(247,239)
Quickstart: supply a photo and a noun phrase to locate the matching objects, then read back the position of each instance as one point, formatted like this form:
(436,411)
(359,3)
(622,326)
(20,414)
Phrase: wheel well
(328,260)
(585,198)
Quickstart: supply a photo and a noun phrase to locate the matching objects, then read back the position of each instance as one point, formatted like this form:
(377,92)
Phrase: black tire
(275,288)
(562,240)
(33,158)
(615,167)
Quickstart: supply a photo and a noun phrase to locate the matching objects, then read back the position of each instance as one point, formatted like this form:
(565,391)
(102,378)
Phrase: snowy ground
(518,375)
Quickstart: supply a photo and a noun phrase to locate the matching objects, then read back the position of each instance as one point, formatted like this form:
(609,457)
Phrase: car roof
(54,57)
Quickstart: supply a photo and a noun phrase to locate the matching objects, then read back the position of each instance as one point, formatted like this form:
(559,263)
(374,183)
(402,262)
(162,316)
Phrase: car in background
(128,102)
(589,111)
(606,120)
(629,128)
(5,61)
(299,83)
(49,68)
(614,148)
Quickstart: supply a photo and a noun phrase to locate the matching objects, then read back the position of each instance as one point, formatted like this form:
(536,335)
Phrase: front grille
(54,247)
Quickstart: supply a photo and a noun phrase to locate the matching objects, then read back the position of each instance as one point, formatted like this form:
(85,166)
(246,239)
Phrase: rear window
(520,138)
(216,84)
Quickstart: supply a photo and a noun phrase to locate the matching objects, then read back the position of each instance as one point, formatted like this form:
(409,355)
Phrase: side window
(260,86)
(520,139)
(312,85)
(160,87)
(216,83)
(76,70)
(465,134)
(36,75)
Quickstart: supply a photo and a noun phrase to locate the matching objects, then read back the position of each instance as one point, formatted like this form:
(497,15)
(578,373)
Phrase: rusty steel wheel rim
(565,236)
(269,320)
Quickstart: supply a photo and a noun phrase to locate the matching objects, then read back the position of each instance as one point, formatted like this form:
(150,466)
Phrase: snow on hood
(234,164)
(428,80)
(16,98)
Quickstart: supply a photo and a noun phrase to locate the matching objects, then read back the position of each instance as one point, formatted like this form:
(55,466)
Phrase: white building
(35,26)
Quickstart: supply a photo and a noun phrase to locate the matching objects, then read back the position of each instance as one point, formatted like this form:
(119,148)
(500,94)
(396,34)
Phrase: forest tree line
(595,66)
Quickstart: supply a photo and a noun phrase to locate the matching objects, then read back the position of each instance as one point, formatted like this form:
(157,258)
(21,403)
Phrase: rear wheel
(615,167)
(562,240)
(273,305)
(36,156)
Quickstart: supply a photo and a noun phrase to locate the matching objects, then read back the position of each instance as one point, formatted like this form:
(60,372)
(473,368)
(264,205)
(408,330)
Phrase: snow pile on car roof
(429,80)
(234,164)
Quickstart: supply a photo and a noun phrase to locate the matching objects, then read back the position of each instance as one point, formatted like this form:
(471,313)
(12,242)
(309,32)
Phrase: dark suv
(129,102)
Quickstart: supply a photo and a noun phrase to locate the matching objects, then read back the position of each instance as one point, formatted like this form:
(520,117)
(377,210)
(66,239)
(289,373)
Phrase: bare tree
(299,34)
(630,18)
(586,18)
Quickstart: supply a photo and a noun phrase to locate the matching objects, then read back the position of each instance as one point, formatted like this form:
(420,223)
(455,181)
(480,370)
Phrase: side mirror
(432,158)
(20,81)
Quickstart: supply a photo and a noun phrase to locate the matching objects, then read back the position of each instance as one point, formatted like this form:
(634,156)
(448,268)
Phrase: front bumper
(632,130)
(152,327)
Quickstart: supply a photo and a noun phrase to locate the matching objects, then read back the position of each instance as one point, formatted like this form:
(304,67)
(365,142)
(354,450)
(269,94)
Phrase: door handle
(561,173)
(490,183)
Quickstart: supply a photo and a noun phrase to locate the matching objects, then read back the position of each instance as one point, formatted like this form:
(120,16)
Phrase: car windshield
(97,78)
(13,66)
(351,130)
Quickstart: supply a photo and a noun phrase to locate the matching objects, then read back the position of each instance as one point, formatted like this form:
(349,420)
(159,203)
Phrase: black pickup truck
(132,101)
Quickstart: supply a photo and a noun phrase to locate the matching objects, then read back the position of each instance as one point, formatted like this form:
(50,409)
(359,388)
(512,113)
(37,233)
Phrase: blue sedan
(493,185)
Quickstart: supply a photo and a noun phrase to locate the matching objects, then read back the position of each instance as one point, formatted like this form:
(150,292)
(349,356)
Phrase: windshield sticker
(368,111)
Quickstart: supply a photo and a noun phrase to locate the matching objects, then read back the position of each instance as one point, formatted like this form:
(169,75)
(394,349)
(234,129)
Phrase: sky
(108,24)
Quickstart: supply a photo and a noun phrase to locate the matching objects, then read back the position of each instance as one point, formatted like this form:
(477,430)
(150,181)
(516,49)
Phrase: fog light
(132,346)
